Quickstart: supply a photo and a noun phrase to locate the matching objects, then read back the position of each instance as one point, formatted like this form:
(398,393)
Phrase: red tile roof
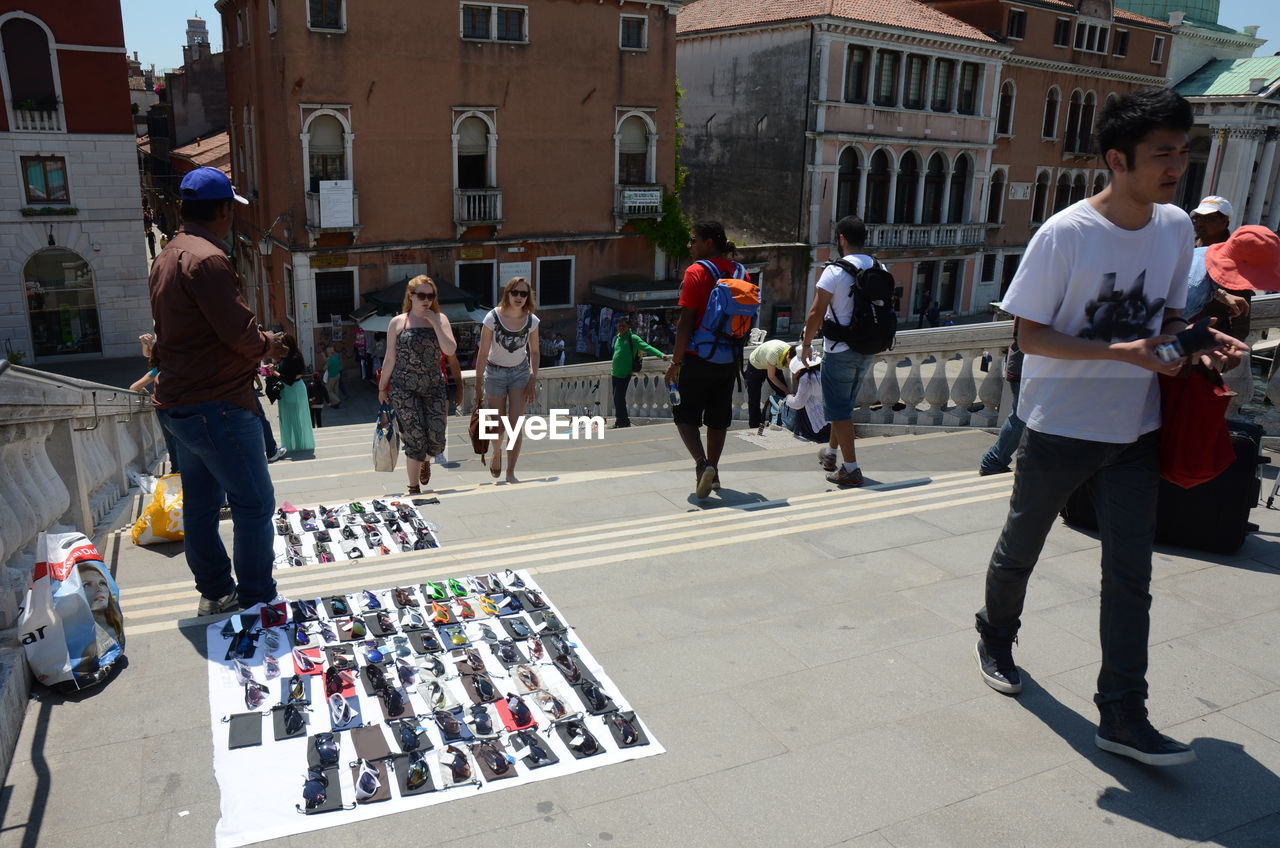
(903,14)
(1120,14)
(214,151)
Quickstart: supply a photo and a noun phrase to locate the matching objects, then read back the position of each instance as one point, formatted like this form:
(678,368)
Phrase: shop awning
(389,300)
(635,293)
(457,313)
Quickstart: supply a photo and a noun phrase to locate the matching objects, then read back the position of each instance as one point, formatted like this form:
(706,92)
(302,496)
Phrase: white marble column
(1261,180)
(891,207)
(1273,214)
(1213,168)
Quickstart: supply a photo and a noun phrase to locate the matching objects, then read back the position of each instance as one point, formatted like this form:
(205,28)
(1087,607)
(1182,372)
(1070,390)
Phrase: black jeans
(755,383)
(268,437)
(620,385)
(1123,480)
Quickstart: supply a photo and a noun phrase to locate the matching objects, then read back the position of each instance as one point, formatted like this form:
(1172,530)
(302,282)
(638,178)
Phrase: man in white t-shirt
(1099,289)
(843,370)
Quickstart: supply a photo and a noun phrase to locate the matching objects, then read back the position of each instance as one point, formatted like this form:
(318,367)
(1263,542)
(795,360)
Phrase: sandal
(495,471)
(424,472)
(413,490)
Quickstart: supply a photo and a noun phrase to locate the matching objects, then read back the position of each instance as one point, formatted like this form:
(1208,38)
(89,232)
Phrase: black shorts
(706,393)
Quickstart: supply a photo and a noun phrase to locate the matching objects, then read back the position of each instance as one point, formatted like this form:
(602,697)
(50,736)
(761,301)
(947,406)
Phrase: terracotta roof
(1119,14)
(214,151)
(903,14)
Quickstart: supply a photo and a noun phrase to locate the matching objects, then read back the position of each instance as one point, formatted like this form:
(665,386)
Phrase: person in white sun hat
(1212,220)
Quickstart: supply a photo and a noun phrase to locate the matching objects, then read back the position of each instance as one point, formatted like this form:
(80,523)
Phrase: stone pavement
(804,654)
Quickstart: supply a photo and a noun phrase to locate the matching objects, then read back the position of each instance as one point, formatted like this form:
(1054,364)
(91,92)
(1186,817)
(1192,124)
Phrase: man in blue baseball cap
(208,345)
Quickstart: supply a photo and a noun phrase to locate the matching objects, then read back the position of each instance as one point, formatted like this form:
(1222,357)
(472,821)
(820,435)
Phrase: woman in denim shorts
(508,361)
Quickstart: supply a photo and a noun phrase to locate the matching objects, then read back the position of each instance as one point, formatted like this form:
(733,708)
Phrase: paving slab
(804,654)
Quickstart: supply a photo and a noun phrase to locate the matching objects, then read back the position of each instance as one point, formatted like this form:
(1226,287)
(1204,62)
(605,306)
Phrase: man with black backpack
(853,306)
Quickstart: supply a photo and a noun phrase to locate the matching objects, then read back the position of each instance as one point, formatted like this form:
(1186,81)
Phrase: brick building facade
(73,270)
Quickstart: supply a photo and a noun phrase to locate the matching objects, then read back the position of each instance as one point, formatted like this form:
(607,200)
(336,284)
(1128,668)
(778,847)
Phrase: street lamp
(264,241)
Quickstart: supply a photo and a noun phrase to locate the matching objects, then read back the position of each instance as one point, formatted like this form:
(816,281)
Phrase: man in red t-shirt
(706,388)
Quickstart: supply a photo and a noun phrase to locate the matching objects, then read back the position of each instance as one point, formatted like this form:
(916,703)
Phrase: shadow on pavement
(1211,800)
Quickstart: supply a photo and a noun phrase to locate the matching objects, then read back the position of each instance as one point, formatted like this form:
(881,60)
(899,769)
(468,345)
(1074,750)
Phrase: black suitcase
(1213,516)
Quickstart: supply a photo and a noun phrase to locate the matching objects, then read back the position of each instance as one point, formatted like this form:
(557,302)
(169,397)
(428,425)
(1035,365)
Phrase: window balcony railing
(320,218)
(37,120)
(477,206)
(639,201)
(909,236)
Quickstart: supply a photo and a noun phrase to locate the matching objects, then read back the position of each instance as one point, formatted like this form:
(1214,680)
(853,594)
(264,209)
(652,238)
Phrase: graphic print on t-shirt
(510,341)
(1120,316)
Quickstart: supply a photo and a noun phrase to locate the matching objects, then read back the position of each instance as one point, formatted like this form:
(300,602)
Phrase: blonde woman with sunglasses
(507,363)
(412,380)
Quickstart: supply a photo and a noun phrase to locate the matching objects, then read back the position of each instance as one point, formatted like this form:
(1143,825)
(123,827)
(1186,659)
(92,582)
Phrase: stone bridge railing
(66,449)
(931,377)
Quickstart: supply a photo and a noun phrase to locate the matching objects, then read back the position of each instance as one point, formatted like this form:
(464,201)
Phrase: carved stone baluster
(964,392)
(889,393)
(912,392)
(866,393)
(15,485)
(989,393)
(937,393)
(51,493)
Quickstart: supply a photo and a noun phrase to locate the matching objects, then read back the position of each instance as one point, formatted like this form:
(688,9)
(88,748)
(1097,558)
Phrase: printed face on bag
(95,588)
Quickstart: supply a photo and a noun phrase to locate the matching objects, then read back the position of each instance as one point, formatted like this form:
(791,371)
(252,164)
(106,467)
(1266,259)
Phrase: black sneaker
(1125,730)
(995,662)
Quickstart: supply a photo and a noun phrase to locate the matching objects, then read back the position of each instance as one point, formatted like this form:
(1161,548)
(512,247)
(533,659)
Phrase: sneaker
(827,459)
(706,479)
(985,471)
(1125,730)
(217,606)
(845,478)
(995,662)
(279,454)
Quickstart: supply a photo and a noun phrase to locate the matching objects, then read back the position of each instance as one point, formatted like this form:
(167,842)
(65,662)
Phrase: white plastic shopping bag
(386,441)
(71,626)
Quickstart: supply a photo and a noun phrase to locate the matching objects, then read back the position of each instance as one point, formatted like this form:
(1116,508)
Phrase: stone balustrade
(66,449)
(932,377)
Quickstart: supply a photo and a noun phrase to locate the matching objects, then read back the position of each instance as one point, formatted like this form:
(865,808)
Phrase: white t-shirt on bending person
(1084,276)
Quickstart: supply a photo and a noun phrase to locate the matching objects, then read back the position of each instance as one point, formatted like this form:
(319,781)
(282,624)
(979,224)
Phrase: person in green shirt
(333,378)
(628,348)
(763,366)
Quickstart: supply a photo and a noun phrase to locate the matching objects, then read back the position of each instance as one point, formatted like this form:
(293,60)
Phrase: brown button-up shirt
(208,342)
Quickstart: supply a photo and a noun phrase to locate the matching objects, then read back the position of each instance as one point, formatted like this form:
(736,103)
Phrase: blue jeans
(1123,480)
(1001,453)
(224,458)
(842,376)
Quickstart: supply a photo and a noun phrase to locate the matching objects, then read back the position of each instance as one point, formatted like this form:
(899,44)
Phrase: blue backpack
(731,312)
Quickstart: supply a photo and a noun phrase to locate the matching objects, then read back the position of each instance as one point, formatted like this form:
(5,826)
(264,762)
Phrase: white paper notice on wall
(335,203)
(507,270)
(1019,191)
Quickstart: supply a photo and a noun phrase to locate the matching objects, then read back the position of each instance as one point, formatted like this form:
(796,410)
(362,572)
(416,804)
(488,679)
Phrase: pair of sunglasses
(459,766)
(315,789)
(447,722)
(626,729)
(403,598)
(537,753)
(481,720)
(367,782)
(339,710)
(519,709)
(371,601)
(326,745)
(581,739)
(294,720)
(255,695)
(407,730)
(418,773)
(425,297)
(335,680)
(493,757)
(296,690)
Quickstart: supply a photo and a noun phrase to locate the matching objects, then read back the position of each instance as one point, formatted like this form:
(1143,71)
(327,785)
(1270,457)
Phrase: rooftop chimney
(1251,31)
(1176,18)
(1257,84)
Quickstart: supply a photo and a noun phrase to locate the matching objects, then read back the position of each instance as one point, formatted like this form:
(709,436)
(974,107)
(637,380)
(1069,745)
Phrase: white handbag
(386,441)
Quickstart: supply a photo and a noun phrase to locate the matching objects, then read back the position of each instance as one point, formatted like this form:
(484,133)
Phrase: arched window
(1084,139)
(935,180)
(908,181)
(1062,195)
(1041,199)
(326,150)
(877,210)
(61,303)
(1099,183)
(33,88)
(1079,188)
(1004,117)
(847,187)
(961,176)
(995,200)
(1073,121)
(473,153)
(1050,129)
(633,151)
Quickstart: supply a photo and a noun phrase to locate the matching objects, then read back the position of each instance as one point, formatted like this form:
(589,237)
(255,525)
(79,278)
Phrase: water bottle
(674,391)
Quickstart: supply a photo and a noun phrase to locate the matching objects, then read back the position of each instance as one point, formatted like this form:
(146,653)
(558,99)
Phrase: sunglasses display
(429,688)
(310,536)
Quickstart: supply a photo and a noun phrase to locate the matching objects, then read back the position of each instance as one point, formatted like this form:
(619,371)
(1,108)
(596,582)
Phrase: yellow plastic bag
(161,521)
